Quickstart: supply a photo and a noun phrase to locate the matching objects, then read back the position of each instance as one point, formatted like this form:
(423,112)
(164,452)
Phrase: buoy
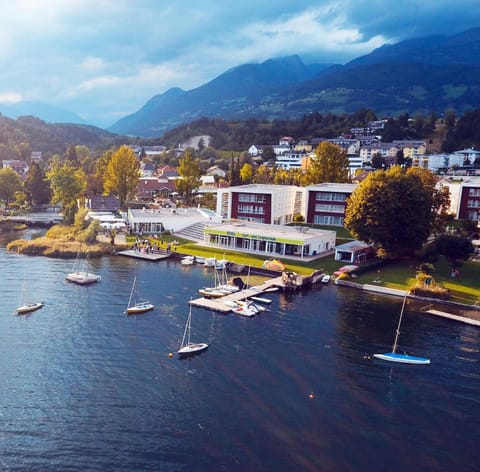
(170,355)
(311,395)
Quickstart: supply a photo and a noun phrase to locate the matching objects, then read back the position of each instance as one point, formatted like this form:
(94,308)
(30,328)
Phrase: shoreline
(473,319)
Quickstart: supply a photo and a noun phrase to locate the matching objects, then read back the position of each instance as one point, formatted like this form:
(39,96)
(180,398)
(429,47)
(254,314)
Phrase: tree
(121,174)
(37,186)
(264,175)
(330,164)
(391,209)
(10,184)
(189,171)
(246,173)
(441,216)
(454,248)
(378,161)
(67,182)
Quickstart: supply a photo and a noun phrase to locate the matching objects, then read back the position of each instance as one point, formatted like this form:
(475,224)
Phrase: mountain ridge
(428,74)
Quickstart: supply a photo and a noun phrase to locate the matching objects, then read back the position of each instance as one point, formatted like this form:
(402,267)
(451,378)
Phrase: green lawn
(463,289)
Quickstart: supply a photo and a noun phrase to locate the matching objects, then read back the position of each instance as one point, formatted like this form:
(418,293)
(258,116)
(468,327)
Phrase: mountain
(229,95)
(421,75)
(45,112)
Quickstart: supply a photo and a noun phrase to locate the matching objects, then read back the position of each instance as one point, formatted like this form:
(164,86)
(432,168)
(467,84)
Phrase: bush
(437,292)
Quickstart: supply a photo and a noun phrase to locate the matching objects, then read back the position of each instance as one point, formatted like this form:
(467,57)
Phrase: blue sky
(103,59)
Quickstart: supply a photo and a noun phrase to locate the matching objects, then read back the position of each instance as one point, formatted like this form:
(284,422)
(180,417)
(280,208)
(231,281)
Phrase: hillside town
(262,211)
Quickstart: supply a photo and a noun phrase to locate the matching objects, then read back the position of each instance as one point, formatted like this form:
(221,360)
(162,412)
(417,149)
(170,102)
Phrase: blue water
(84,387)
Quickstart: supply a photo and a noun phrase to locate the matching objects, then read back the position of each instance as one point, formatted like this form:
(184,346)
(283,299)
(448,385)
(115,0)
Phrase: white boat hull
(140,308)
(83,278)
(29,307)
(402,358)
(192,348)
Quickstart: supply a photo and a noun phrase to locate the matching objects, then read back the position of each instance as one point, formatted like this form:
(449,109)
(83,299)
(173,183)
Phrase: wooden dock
(149,256)
(218,304)
(451,316)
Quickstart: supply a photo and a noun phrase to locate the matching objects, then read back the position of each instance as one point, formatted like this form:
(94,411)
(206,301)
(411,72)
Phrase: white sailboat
(402,358)
(137,307)
(25,307)
(187,348)
(80,274)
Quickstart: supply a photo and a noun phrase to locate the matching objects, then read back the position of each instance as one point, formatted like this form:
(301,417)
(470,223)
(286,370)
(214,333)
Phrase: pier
(149,256)
(218,304)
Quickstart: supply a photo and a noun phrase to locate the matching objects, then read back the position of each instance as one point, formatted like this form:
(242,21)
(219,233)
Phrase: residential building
(326,203)
(102,203)
(149,188)
(20,167)
(217,172)
(411,148)
(469,202)
(270,204)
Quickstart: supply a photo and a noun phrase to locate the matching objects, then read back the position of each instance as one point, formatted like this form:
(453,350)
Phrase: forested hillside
(20,137)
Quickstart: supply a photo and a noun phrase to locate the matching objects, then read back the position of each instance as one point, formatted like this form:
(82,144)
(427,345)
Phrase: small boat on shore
(325,279)
(187,260)
(266,301)
(209,261)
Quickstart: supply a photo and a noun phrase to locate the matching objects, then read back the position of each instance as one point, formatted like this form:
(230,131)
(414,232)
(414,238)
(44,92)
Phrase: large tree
(189,171)
(121,174)
(36,185)
(330,164)
(391,209)
(441,215)
(66,181)
(10,184)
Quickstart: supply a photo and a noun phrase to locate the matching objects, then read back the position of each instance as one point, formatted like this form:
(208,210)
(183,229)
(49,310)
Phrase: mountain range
(422,75)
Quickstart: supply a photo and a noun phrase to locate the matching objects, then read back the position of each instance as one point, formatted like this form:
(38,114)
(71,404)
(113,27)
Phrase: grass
(402,275)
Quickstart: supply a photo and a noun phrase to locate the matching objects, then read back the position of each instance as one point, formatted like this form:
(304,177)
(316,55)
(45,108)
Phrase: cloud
(10,97)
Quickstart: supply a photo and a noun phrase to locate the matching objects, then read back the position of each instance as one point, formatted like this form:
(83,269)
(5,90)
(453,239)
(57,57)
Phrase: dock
(149,256)
(218,304)
(451,316)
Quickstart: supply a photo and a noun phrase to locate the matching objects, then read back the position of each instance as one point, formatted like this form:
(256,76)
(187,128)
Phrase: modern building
(469,202)
(326,203)
(271,240)
(269,204)
(152,221)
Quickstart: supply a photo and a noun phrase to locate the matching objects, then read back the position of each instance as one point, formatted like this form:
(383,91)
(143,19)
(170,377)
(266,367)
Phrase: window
(328,220)
(326,208)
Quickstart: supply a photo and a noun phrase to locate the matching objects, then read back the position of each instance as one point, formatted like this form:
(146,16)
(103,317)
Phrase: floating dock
(451,316)
(218,304)
(148,256)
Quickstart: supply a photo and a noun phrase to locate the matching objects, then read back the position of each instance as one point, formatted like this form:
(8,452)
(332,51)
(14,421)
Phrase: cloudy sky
(103,59)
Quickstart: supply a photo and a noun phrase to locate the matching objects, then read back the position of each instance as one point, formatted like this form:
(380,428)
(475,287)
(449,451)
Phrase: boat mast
(398,326)
(131,293)
(186,332)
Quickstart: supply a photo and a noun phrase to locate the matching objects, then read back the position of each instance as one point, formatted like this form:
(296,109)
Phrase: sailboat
(24,307)
(80,274)
(403,358)
(187,348)
(136,308)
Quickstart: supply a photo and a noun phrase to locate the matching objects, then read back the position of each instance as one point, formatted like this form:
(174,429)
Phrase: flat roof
(260,188)
(247,229)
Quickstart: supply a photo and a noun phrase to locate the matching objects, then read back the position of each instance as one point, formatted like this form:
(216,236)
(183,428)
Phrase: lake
(85,387)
